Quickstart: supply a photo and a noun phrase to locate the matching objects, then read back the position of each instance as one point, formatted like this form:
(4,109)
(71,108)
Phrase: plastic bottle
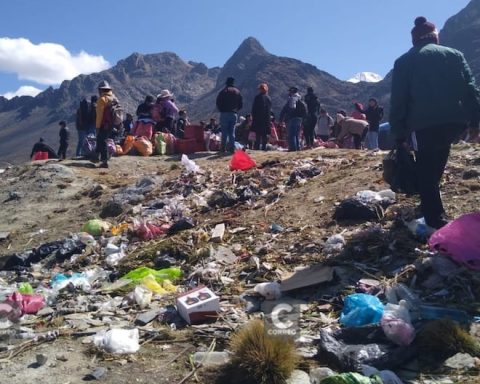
(209,359)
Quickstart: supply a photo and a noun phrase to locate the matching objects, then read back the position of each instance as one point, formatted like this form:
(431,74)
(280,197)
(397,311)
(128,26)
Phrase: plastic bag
(143,129)
(96,227)
(29,303)
(128,144)
(459,239)
(118,150)
(142,296)
(169,140)
(160,145)
(388,377)
(270,291)
(361,309)
(148,231)
(111,147)
(138,274)
(118,340)
(25,288)
(352,378)
(143,146)
(241,162)
(189,165)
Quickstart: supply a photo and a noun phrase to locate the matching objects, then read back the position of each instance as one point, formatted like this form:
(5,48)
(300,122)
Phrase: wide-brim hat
(104,85)
(164,94)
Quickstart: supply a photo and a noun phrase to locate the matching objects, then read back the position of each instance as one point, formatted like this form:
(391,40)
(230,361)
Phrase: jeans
(81,138)
(102,136)
(372,140)
(227,125)
(293,129)
(431,158)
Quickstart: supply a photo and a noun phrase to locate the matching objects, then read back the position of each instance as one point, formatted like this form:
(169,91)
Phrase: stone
(61,357)
(4,236)
(111,209)
(470,174)
(223,255)
(299,377)
(218,232)
(41,359)
(147,317)
(96,374)
(460,361)
(45,311)
(318,374)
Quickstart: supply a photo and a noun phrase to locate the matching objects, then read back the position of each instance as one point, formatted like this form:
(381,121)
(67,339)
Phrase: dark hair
(310,90)
(248,115)
(342,112)
(149,99)
(323,111)
(94,98)
(213,118)
(41,140)
(62,123)
(230,81)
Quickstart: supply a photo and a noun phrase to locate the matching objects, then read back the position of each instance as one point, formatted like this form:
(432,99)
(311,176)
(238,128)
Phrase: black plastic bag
(356,210)
(399,171)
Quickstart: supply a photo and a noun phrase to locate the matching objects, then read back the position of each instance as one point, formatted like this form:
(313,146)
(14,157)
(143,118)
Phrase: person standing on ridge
(293,114)
(261,115)
(82,125)
(313,108)
(374,114)
(229,102)
(64,138)
(434,99)
(104,122)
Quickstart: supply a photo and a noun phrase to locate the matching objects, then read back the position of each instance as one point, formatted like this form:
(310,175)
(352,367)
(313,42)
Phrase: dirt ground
(43,202)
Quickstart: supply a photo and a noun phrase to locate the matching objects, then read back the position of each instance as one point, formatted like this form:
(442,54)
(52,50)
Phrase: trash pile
(372,301)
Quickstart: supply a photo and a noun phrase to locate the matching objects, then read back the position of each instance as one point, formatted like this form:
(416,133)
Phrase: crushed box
(198,305)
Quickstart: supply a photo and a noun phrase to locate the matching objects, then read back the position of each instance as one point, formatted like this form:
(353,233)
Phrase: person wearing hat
(64,138)
(293,116)
(434,96)
(229,102)
(104,122)
(261,115)
(165,112)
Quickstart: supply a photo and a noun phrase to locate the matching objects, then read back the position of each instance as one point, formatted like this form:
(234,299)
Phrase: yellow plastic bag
(118,229)
(150,283)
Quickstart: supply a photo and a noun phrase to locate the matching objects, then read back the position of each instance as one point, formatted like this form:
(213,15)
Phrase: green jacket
(432,85)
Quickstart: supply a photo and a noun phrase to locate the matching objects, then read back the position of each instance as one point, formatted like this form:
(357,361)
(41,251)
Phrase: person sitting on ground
(324,126)
(213,126)
(355,127)
(358,112)
(128,124)
(40,146)
(165,112)
(144,110)
(182,122)
(243,130)
(64,138)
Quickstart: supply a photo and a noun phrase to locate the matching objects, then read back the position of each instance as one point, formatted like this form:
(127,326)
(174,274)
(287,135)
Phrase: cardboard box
(198,305)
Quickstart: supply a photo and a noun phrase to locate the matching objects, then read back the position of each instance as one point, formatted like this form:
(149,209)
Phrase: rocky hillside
(462,32)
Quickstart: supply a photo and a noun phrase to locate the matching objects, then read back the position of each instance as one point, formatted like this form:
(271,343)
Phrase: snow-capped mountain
(368,77)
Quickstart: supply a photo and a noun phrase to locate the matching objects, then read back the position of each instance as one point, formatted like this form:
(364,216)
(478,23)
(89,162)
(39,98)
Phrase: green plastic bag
(25,288)
(137,275)
(352,378)
(96,227)
(160,145)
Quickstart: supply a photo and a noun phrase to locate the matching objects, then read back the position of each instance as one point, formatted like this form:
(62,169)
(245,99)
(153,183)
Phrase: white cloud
(46,63)
(24,90)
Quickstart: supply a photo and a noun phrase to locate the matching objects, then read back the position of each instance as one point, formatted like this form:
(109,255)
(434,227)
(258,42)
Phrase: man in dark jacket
(434,95)
(261,115)
(374,114)
(293,116)
(229,102)
(64,138)
(82,125)
(313,107)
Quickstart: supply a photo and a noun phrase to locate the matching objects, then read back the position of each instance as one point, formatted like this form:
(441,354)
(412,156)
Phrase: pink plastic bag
(29,303)
(241,162)
(148,231)
(460,240)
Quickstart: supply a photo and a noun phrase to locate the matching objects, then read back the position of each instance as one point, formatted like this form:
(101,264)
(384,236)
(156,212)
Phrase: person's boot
(103,164)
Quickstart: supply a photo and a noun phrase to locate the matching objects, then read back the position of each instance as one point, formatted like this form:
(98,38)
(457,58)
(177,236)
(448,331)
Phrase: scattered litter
(198,305)
(118,340)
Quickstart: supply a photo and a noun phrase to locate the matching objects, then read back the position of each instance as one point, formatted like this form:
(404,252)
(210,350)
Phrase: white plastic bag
(142,296)
(190,165)
(388,377)
(118,340)
(270,291)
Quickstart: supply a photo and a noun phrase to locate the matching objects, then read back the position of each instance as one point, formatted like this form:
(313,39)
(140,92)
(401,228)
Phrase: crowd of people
(434,101)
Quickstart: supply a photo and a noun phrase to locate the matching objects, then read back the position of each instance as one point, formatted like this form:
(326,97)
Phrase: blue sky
(342,37)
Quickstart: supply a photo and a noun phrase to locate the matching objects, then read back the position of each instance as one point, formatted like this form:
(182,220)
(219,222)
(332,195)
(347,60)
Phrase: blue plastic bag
(361,309)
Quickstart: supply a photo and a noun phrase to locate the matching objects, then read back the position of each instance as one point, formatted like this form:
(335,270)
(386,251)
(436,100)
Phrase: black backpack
(300,109)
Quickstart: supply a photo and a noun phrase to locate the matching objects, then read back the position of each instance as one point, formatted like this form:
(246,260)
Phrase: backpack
(114,114)
(300,109)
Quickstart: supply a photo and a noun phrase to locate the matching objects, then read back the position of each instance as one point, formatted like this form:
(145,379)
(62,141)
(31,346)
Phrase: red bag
(40,155)
(29,303)
(143,129)
(241,161)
